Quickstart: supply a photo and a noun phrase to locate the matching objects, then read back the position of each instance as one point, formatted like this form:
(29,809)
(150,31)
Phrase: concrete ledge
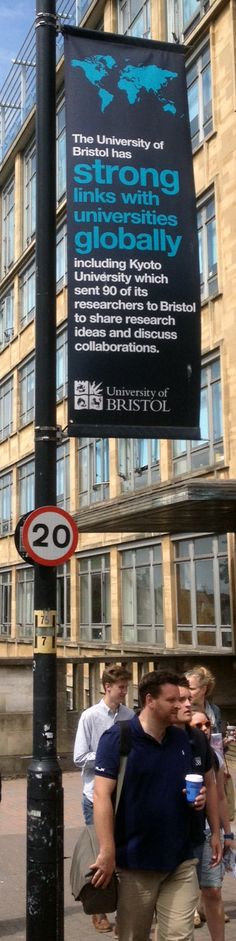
(15,766)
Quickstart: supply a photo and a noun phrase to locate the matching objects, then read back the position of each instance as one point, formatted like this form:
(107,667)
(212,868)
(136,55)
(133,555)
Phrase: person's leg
(100,922)
(176,902)
(211,881)
(136,903)
(87,808)
(214,913)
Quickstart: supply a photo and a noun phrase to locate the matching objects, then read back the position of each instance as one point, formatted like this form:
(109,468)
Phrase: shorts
(210,877)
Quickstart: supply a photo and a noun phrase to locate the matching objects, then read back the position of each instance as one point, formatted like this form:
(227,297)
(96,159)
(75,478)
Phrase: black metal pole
(45,904)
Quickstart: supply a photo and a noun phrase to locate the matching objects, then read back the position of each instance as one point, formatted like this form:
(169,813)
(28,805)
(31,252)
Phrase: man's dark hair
(115,672)
(152,683)
(182,681)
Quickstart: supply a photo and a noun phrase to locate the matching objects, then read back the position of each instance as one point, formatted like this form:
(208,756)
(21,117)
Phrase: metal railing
(17,95)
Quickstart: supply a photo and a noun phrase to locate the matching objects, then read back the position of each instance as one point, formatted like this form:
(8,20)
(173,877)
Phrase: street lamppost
(45,903)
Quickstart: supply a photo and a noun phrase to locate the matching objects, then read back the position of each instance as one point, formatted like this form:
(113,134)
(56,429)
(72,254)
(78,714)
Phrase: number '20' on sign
(50,535)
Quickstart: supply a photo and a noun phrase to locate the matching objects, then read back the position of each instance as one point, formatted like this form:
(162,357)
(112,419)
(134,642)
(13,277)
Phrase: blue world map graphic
(133,81)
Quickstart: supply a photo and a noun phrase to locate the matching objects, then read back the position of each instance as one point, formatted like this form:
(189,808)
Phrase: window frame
(133,474)
(27,411)
(5,602)
(206,218)
(125,13)
(30,194)
(26,486)
(27,309)
(93,453)
(63,470)
(25,602)
(200,63)
(7,317)
(62,364)
(96,566)
(133,633)
(177,27)
(191,448)
(8,225)
(6,408)
(63,602)
(61,241)
(60,144)
(193,629)
(6,488)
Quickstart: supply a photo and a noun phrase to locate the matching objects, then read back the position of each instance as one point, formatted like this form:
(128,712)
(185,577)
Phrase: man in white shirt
(92,723)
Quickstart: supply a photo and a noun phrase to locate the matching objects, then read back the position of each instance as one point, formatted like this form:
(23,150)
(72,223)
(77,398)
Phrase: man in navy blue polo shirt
(151,846)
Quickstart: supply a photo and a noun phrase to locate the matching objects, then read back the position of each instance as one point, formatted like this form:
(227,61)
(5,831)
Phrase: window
(7,227)
(27,295)
(138,462)
(192,455)
(61,257)
(182,16)
(134,18)
(142,604)
(63,476)
(6,408)
(61,150)
(7,317)
(26,480)
(82,6)
(26,393)
(5,503)
(207,246)
(95,613)
(61,365)
(5,602)
(203,593)
(200,95)
(93,458)
(63,601)
(25,603)
(30,195)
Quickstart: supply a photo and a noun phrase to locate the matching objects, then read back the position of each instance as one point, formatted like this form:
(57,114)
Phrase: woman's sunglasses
(203,725)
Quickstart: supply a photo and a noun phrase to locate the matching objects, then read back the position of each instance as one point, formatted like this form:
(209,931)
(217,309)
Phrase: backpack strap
(125,747)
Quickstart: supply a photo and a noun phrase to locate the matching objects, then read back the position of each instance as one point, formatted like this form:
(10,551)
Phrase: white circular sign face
(49,535)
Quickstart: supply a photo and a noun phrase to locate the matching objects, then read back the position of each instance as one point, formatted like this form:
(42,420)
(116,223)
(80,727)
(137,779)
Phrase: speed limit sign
(49,535)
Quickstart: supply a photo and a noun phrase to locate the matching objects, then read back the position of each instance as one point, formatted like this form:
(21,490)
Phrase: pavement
(78,927)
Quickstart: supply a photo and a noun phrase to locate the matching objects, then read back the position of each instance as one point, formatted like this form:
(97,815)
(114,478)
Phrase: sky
(16,18)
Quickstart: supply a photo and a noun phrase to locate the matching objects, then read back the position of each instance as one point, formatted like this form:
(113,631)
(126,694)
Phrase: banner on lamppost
(133,268)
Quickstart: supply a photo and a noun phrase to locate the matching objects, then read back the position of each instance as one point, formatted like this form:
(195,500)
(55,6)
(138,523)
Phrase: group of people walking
(163,848)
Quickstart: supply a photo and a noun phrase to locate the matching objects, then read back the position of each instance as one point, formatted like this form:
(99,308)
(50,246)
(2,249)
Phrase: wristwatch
(228,836)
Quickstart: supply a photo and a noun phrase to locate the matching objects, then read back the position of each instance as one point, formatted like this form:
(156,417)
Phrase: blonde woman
(201,685)
(210,878)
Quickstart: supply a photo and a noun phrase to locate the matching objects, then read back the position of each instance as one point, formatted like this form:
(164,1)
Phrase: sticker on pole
(50,535)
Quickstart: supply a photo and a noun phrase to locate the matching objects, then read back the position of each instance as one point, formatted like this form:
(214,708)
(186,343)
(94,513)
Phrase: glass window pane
(143,596)
(224,592)
(84,606)
(182,549)
(205,592)
(193,106)
(206,638)
(185,637)
(183,593)
(127,597)
(203,546)
(142,555)
(217,411)
(96,598)
(158,602)
(106,598)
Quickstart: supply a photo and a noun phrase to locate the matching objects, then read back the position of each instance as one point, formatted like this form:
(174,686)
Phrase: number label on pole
(50,535)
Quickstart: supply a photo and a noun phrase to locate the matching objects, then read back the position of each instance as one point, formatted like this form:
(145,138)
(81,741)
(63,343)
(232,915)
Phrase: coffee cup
(193,783)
